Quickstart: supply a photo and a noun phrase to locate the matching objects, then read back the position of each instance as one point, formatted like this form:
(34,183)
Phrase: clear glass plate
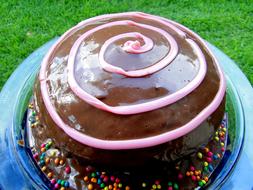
(18,171)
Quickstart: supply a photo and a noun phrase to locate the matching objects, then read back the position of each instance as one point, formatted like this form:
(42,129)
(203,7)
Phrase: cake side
(66,170)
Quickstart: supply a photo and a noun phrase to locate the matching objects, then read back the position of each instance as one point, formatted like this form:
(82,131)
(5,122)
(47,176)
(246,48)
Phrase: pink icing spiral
(147,106)
(132,47)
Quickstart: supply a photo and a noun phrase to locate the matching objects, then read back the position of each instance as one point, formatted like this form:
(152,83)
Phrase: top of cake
(128,80)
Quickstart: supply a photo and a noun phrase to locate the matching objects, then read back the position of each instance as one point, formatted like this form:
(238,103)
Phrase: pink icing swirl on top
(142,107)
(133,143)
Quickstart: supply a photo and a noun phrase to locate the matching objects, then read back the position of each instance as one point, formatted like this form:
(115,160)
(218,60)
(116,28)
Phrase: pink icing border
(134,143)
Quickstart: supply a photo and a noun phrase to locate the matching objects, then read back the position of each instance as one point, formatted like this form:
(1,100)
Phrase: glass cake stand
(18,171)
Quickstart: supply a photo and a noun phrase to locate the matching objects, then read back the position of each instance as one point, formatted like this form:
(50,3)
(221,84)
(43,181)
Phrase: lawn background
(26,25)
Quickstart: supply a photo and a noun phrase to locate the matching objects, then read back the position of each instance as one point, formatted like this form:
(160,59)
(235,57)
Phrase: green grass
(26,25)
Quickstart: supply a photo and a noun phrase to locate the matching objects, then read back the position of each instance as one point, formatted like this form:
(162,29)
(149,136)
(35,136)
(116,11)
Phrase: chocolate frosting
(116,90)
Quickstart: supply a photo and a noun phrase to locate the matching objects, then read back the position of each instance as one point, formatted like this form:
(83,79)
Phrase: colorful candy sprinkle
(56,186)
(176,186)
(68,170)
(44,168)
(144,185)
(90,186)
(47,160)
(112,178)
(36,156)
(180,176)
(66,184)
(86,178)
(200,156)
(50,175)
(53,181)
(61,162)
(56,161)
(209,160)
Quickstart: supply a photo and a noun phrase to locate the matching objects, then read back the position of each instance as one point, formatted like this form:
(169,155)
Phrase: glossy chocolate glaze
(114,89)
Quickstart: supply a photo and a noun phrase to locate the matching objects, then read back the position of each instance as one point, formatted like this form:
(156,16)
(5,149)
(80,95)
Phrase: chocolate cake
(124,98)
